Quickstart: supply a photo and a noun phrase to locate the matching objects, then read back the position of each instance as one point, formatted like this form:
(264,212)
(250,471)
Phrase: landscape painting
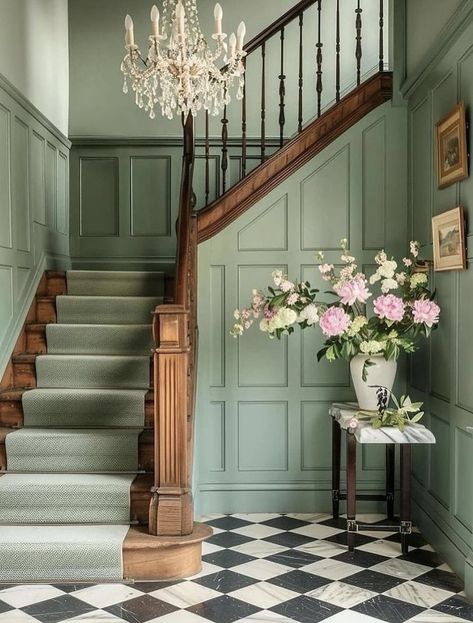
(448,235)
(452,157)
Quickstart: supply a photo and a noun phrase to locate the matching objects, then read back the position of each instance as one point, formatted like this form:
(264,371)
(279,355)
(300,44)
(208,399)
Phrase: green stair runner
(65,501)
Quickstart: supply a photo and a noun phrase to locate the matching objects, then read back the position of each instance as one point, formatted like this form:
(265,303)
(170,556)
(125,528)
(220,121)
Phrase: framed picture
(448,235)
(452,157)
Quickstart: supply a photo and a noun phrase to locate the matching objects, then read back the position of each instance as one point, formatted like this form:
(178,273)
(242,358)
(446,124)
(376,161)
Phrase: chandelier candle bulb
(155,20)
(218,15)
(241,32)
(232,46)
(129,34)
(180,15)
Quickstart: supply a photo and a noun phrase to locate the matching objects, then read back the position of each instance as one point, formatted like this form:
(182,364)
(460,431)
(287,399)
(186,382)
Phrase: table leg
(390,470)
(406,524)
(351,491)
(336,446)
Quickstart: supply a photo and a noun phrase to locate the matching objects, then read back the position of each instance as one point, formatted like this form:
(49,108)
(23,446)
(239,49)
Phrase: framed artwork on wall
(452,156)
(448,235)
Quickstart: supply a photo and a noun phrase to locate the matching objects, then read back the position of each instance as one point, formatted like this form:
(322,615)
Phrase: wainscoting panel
(33,236)
(374,186)
(444,475)
(277,428)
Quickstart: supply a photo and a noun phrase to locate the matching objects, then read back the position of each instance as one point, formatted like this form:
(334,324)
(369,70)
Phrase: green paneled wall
(441,373)
(263,430)
(34,208)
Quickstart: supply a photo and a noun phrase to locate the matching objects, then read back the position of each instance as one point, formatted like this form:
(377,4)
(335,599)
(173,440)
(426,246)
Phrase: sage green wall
(263,430)
(34,54)
(425,21)
(34,200)
(441,373)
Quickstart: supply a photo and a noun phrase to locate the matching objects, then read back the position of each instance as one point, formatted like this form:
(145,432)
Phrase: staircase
(79,467)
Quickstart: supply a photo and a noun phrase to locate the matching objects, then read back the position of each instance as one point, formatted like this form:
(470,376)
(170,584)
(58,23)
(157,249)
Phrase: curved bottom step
(147,557)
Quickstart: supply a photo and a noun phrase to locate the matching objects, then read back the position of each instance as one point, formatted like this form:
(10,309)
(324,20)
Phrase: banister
(276,26)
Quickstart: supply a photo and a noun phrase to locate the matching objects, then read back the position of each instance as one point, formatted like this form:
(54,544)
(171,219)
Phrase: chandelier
(181,73)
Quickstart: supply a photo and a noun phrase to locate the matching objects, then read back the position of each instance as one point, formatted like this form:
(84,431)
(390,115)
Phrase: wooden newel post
(171,508)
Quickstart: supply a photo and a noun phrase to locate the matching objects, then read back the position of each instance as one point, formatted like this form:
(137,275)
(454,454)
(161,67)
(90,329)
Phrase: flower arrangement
(404,309)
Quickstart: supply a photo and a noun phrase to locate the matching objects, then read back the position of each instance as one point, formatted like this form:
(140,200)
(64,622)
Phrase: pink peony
(334,321)
(390,307)
(426,312)
(352,291)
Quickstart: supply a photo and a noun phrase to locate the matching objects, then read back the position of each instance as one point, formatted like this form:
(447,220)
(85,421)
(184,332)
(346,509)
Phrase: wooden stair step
(147,557)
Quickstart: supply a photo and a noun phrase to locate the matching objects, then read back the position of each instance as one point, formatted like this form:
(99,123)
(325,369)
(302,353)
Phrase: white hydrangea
(371,347)
(309,314)
(387,269)
(418,279)
(388,284)
(358,323)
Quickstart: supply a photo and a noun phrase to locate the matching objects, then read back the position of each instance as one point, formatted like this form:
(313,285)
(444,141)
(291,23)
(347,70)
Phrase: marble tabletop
(365,433)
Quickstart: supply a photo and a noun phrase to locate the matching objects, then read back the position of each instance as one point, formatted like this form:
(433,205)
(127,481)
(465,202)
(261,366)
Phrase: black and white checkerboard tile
(268,568)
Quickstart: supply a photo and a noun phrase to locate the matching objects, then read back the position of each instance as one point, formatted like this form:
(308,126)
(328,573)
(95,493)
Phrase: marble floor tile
(266,616)
(306,609)
(341,594)
(433,616)
(264,595)
(16,616)
(382,547)
(324,549)
(103,595)
(95,616)
(419,594)
(388,609)
(350,616)
(185,594)
(256,517)
(400,568)
(258,531)
(261,569)
(332,569)
(259,548)
(294,558)
(317,531)
(24,595)
(180,616)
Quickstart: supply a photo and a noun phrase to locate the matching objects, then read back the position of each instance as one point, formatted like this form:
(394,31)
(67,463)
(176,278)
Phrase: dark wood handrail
(276,26)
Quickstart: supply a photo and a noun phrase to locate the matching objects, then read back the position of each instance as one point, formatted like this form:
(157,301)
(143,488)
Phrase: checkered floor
(268,568)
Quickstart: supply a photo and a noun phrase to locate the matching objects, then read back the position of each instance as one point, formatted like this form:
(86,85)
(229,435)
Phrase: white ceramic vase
(381,373)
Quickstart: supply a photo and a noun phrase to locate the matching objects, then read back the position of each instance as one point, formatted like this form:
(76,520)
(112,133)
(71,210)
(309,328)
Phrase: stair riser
(36,341)
(145,452)
(24,374)
(46,311)
(100,340)
(106,283)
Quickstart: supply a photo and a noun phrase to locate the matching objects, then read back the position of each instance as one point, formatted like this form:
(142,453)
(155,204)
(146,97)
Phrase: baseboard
(298,498)
(46,262)
(459,558)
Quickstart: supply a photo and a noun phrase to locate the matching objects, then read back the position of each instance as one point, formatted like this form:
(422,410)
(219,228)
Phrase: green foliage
(404,413)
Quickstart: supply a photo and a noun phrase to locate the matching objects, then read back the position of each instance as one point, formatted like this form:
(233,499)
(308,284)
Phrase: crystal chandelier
(181,74)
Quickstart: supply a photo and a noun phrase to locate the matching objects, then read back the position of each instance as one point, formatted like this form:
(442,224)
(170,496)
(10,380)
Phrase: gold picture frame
(448,235)
(452,155)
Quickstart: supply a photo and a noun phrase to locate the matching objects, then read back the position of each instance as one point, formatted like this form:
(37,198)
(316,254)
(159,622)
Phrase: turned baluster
(319,58)
(282,94)
(207,159)
(358,50)
(224,165)
(337,55)
(301,71)
(263,102)
(381,35)
(243,129)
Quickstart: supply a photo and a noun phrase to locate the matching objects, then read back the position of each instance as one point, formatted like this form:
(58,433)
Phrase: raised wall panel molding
(439,476)
(20,186)
(261,362)
(217,323)
(325,204)
(374,172)
(99,196)
(254,236)
(150,196)
(6,233)
(6,300)
(38,176)
(51,185)
(463,457)
(258,421)
(62,193)
(216,430)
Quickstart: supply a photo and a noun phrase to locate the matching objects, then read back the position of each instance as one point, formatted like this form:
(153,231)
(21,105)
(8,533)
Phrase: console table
(364,433)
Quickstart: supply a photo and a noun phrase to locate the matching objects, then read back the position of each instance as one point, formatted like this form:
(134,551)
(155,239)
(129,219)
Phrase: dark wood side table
(364,433)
